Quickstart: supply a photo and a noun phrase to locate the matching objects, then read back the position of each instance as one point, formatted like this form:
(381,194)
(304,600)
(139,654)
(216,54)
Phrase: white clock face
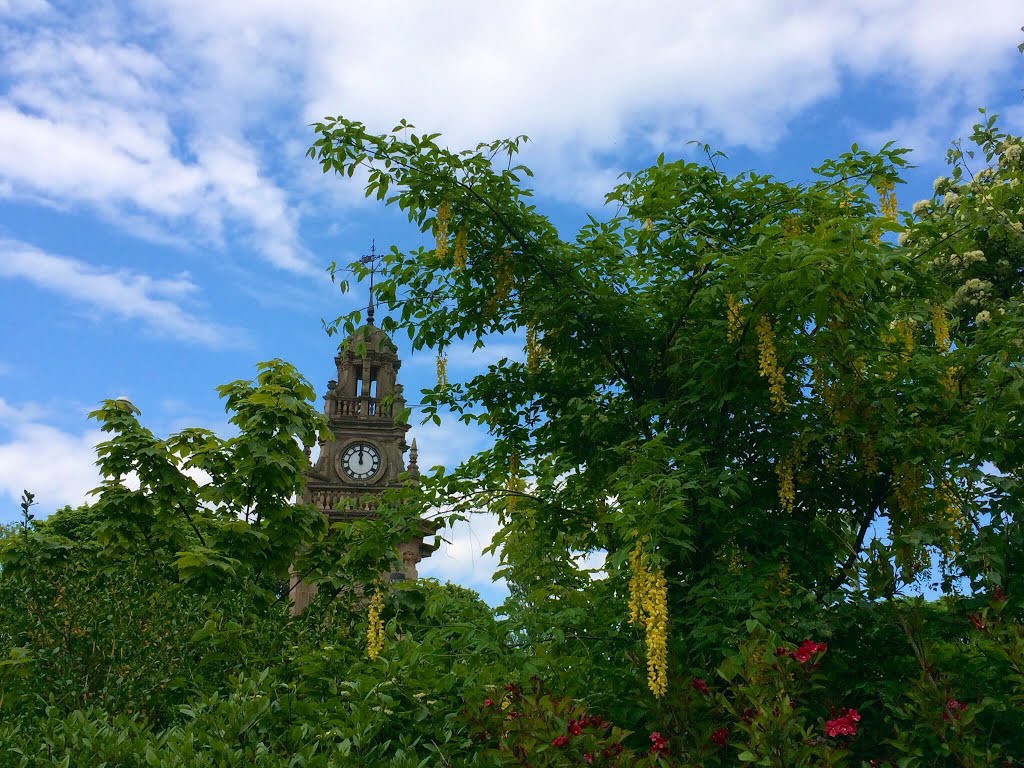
(360,461)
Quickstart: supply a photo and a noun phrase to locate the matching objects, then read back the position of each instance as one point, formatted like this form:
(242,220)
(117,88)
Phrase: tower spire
(371,259)
(414,456)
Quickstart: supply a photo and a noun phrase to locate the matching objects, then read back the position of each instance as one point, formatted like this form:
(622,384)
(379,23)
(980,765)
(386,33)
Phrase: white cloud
(460,558)
(446,445)
(584,79)
(95,123)
(124,294)
(200,129)
(18,8)
(57,466)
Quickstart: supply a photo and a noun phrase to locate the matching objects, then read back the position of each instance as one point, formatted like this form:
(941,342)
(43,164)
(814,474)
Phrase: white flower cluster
(1011,154)
(921,208)
(972,292)
(973,257)
(950,199)
(982,317)
(940,185)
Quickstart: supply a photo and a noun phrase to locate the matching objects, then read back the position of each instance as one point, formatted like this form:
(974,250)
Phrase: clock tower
(367,454)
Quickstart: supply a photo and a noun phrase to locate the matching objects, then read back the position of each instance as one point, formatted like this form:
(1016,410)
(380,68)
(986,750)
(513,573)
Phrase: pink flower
(700,686)
(807,649)
(953,709)
(658,744)
(976,621)
(488,703)
(844,725)
(559,741)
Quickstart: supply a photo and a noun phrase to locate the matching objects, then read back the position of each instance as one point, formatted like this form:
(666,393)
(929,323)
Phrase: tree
(768,412)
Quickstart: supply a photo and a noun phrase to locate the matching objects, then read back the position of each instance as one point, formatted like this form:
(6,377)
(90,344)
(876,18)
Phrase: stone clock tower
(367,453)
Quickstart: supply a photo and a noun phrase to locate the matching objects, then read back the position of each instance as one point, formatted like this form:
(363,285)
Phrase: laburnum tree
(773,406)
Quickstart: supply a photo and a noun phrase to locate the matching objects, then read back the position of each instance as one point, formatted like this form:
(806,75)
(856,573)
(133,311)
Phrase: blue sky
(161,229)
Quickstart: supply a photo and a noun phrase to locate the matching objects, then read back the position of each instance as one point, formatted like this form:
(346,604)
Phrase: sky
(161,230)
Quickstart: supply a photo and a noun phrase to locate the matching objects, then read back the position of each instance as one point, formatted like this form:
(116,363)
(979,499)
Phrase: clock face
(360,461)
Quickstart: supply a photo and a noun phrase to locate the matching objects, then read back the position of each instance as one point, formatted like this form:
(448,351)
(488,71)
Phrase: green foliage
(788,403)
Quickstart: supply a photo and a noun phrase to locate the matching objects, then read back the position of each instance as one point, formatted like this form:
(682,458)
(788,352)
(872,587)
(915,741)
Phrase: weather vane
(371,259)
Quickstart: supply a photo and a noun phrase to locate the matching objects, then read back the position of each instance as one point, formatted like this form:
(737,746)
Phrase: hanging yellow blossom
(887,200)
(954,513)
(442,371)
(905,335)
(734,321)
(768,364)
(533,350)
(940,327)
(503,276)
(461,238)
(950,381)
(512,481)
(375,626)
(648,608)
(869,457)
(908,486)
(782,578)
(444,214)
(791,227)
(787,490)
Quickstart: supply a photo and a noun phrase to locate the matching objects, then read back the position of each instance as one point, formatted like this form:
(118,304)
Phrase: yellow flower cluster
(733,319)
(461,250)
(502,276)
(444,215)
(940,327)
(769,365)
(869,457)
(782,579)
(512,482)
(955,516)
(887,200)
(648,608)
(787,489)
(907,491)
(375,626)
(534,351)
(950,381)
(791,226)
(905,334)
(442,371)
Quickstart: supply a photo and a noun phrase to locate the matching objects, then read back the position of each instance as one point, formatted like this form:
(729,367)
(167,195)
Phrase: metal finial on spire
(371,259)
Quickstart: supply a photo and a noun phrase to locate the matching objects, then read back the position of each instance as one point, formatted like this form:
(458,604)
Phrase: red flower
(587,757)
(953,709)
(807,649)
(559,741)
(998,595)
(658,744)
(720,736)
(574,728)
(700,685)
(976,621)
(844,725)
(488,703)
